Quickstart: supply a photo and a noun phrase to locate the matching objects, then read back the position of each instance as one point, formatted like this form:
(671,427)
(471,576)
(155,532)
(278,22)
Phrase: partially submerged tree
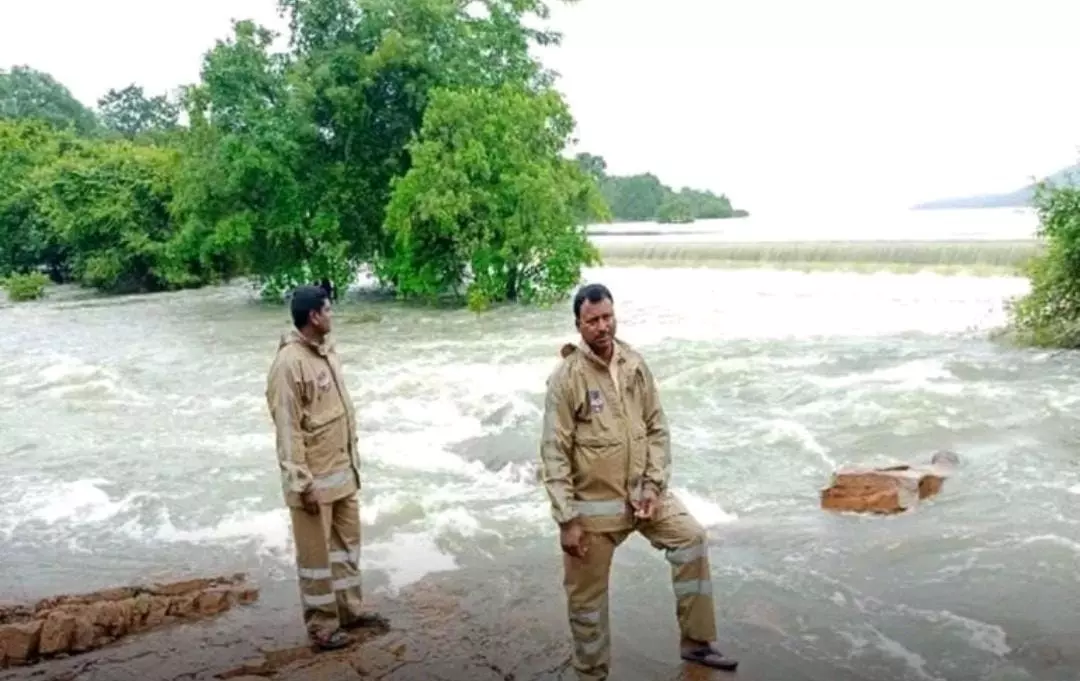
(1049,314)
(490,205)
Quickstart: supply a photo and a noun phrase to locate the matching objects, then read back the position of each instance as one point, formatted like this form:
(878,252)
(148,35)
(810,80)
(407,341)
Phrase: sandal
(335,641)
(709,656)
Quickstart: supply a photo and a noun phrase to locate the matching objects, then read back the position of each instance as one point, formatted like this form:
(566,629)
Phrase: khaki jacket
(603,443)
(314,420)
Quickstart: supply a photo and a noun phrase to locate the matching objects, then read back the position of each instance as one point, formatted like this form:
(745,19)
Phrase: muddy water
(136,441)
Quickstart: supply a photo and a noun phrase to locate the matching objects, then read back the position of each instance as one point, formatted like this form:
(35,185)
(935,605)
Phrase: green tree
(639,198)
(676,209)
(27,238)
(248,192)
(595,166)
(1049,314)
(130,113)
(291,156)
(635,198)
(109,206)
(364,71)
(704,205)
(29,94)
(489,202)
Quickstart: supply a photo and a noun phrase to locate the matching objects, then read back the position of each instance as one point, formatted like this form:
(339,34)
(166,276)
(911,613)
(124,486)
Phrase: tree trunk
(512,284)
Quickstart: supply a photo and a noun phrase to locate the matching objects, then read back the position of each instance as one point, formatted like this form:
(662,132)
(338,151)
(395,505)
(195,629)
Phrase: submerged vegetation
(1049,314)
(23,287)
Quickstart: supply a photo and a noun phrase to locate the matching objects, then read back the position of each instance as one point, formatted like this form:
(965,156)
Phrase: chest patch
(596,401)
(322,381)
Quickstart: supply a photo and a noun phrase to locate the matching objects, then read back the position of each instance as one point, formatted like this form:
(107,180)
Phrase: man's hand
(573,539)
(310,504)
(646,507)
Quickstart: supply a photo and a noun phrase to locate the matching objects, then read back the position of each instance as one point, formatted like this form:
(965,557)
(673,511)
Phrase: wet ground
(506,623)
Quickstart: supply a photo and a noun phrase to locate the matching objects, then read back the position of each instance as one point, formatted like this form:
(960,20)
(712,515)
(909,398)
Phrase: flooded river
(136,440)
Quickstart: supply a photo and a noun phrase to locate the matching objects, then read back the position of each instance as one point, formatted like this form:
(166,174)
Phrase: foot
(333,641)
(708,655)
(367,620)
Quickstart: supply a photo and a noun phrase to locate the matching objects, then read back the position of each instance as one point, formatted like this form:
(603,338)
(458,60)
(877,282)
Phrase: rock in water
(945,458)
(887,490)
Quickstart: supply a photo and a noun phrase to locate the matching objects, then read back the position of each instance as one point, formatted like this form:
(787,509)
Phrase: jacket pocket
(325,436)
(600,465)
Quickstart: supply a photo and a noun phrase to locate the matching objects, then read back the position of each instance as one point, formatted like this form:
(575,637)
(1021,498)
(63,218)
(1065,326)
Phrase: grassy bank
(986,258)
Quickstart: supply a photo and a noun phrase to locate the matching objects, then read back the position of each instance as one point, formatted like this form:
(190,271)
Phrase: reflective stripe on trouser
(683,541)
(328,564)
(586,583)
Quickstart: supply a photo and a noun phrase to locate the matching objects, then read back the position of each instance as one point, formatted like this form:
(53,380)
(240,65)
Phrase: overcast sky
(785,105)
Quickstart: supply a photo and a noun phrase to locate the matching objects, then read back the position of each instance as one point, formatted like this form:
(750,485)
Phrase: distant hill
(1015,199)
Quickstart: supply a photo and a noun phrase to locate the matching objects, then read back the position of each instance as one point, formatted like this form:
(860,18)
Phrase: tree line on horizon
(417,137)
(644,198)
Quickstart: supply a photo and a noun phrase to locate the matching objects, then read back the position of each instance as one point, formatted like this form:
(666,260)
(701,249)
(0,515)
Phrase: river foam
(143,447)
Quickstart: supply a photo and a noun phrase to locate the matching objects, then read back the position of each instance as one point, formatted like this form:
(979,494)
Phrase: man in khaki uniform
(606,463)
(320,470)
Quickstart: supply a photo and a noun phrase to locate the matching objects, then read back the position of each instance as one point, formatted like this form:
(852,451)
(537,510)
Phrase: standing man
(606,462)
(320,470)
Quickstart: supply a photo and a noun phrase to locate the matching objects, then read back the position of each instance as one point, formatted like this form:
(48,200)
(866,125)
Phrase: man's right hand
(310,504)
(573,539)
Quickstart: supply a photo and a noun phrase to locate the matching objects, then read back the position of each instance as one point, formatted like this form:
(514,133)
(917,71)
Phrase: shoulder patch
(567,350)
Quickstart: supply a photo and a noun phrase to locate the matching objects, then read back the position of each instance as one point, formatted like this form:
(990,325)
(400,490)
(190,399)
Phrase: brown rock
(246,594)
(159,608)
(285,656)
(83,637)
(256,667)
(140,609)
(373,661)
(182,606)
(101,640)
(329,669)
(19,642)
(212,601)
(930,486)
(181,588)
(883,490)
(13,612)
(57,632)
(113,618)
(120,594)
(68,624)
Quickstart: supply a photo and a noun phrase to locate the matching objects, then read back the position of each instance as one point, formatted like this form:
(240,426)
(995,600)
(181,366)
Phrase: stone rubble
(72,624)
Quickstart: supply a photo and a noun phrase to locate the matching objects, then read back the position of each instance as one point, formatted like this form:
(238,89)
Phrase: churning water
(136,439)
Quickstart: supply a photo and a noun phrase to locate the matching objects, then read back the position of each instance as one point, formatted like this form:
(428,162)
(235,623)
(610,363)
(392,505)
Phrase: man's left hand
(648,505)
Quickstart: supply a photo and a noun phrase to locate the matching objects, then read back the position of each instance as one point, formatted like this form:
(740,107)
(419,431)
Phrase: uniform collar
(322,349)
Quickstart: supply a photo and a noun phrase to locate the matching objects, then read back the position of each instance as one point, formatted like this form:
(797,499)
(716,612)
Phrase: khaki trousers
(683,540)
(328,564)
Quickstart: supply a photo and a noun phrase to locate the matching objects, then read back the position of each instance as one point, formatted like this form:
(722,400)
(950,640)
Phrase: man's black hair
(594,293)
(305,300)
